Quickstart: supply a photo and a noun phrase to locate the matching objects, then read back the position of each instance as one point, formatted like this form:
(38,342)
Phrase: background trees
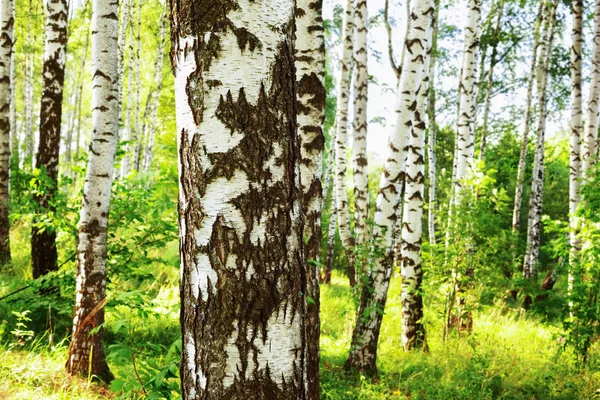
(256,139)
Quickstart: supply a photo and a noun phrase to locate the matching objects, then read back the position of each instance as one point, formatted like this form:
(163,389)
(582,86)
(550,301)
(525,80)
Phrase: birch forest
(299,199)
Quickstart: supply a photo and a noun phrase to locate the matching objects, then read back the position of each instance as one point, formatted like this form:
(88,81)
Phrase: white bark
(93,222)
(432,130)
(575,138)
(28,134)
(14,131)
(127,135)
(534,224)
(363,349)
(137,137)
(342,139)
(590,134)
(359,143)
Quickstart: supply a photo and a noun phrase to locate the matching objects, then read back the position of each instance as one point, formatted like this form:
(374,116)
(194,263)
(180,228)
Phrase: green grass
(510,355)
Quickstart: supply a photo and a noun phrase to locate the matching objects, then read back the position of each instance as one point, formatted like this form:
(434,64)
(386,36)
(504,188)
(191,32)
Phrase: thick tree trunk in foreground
(154,98)
(44,255)
(311,96)
(93,222)
(363,349)
(516,221)
(590,138)
(6,53)
(575,138)
(342,141)
(243,281)
(534,224)
(359,142)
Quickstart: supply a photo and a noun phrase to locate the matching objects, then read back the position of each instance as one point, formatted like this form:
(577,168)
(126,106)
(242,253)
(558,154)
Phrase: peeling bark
(86,352)
(243,282)
(44,255)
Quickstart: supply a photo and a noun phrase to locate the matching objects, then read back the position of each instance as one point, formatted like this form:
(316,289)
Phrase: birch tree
(341,142)
(590,134)
(359,143)
(44,255)
(465,138)
(28,132)
(534,223)
(311,96)
(363,348)
(516,220)
(14,132)
(86,352)
(137,136)
(575,138)
(432,129)
(6,54)
(243,274)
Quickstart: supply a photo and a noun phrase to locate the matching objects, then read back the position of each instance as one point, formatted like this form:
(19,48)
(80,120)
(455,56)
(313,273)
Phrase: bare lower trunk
(516,221)
(363,349)
(44,256)
(534,224)
(6,54)
(243,281)
(341,143)
(86,352)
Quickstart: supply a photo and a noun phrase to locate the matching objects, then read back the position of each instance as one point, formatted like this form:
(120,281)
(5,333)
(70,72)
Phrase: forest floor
(509,355)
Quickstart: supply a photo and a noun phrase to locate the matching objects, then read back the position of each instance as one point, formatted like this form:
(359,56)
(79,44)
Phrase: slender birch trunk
(516,220)
(465,139)
(575,138)
(342,141)
(154,100)
(28,137)
(590,135)
(534,224)
(243,282)
(413,330)
(432,131)
(490,81)
(129,111)
(86,352)
(311,96)
(6,53)
(44,256)
(14,132)
(329,183)
(363,349)
(121,43)
(359,143)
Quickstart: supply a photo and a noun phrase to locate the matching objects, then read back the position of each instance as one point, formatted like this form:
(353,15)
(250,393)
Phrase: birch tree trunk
(534,224)
(359,143)
(490,81)
(516,221)
(465,139)
(6,54)
(363,349)
(329,183)
(243,283)
(413,330)
(14,132)
(432,130)
(575,138)
(28,136)
(86,352)
(311,96)
(590,134)
(341,143)
(158,78)
(121,42)
(44,256)
(127,129)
